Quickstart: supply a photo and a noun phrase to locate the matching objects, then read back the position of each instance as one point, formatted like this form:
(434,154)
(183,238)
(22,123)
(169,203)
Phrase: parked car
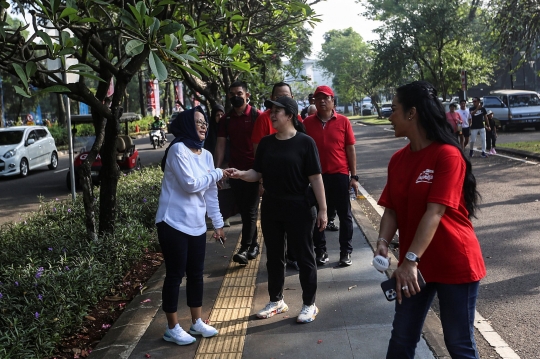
(514,108)
(367,109)
(386,109)
(127,156)
(23,148)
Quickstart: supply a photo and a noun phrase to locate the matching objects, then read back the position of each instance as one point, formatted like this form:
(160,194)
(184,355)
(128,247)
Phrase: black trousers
(246,195)
(336,189)
(296,233)
(490,140)
(183,254)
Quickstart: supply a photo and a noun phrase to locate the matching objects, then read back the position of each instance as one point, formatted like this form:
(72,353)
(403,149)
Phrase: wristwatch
(354,177)
(410,256)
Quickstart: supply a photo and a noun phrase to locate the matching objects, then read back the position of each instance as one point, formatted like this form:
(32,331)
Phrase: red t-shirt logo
(426,176)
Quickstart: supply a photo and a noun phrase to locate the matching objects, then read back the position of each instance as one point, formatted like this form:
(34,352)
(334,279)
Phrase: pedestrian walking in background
(305,110)
(288,163)
(479,125)
(454,119)
(188,192)
(430,197)
(465,124)
(335,140)
(237,126)
(491,134)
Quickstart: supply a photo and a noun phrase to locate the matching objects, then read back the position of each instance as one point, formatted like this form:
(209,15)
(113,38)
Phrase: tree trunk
(171,98)
(142,99)
(61,111)
(166,98)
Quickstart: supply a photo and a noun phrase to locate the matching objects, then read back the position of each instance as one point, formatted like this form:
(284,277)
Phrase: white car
(26,147)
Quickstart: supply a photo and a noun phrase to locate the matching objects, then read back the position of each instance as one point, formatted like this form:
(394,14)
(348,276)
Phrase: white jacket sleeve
(211,199)
(179,163)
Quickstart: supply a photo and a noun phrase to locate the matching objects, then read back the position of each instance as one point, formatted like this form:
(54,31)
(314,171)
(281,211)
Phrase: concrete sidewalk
(354,320)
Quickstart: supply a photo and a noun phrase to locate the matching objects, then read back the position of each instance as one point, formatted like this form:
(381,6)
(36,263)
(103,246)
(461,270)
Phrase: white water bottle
(352,194)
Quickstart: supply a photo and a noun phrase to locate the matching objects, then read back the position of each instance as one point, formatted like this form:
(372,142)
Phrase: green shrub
(50,276)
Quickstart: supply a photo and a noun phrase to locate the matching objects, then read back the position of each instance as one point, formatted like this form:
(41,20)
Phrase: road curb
(129,328)
(432,330)
(526,154)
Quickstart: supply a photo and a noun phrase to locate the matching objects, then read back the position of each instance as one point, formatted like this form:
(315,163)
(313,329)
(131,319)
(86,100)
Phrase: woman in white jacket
(188,192)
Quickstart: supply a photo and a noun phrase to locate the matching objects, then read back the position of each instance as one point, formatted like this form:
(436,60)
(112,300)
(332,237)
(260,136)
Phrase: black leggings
(490,140)
(246,195)
(183,254)
(297,232)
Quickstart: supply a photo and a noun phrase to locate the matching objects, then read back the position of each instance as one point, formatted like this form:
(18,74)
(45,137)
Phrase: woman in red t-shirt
(454,119)
(430,197)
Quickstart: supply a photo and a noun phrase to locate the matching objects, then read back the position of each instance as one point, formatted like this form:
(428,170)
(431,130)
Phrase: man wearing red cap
(335,140)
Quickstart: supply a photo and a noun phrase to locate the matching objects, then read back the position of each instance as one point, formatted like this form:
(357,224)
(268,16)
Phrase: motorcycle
(156,139)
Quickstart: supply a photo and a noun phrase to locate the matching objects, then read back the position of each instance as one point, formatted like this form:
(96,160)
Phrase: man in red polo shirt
(335,140)
(237,125)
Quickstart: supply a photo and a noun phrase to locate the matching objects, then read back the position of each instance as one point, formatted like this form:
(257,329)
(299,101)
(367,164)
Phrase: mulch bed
(108,310)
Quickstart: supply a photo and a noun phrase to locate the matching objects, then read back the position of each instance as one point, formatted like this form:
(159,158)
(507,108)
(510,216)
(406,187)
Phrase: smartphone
(389,286)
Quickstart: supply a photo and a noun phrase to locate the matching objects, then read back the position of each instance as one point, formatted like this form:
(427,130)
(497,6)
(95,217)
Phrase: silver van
(514,108)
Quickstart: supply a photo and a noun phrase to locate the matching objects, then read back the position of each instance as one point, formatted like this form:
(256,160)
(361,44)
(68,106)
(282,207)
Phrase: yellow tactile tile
(230,313)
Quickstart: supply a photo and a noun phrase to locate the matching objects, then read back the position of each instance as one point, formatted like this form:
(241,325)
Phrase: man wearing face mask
(237,125)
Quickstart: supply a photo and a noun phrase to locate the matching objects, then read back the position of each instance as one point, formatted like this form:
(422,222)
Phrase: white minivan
(26,147)
(514,108)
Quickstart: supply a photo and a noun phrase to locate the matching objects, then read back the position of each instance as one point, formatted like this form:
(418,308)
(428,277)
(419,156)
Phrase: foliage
(259,34)
(49,278)
(429,40)
(516,26)
(347,58)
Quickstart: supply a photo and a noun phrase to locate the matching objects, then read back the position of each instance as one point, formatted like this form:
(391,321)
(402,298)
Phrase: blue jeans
(457,305)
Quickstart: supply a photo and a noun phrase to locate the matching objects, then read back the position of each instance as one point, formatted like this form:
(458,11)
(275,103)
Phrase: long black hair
(431,115)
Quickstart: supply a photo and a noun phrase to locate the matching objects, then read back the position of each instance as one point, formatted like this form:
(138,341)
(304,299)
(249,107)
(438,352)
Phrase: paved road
(507,226)
(20,195)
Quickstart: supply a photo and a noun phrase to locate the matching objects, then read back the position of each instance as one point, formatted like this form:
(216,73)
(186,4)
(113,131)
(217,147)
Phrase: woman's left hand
(322,220)
(219,233)
(406,280)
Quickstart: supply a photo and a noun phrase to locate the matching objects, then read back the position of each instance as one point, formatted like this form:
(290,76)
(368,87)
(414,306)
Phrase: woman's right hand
(322,219)
(382,249)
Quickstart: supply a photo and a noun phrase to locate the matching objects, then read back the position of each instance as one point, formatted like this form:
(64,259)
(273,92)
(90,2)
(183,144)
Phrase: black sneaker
(322,259)
(471,153)
(252,253)
(331,226)
(241,256)
(484,154)
(293,264)
(345,259)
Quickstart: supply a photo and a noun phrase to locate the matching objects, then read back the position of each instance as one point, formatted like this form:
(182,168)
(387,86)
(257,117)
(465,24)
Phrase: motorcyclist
(159,125)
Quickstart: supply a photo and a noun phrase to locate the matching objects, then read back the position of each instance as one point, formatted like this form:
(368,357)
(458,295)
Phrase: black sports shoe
(322,259)
(252,253)
(241,256)
(331,226)
(345,259)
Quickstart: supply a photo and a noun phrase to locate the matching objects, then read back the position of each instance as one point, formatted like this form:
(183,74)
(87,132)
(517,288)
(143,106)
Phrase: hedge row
(50,276)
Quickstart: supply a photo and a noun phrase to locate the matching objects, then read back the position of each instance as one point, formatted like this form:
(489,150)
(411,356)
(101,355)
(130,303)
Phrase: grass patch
(529,146)
(370,120)
(50,275)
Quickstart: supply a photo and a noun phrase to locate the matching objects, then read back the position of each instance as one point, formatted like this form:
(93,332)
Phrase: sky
(338,15)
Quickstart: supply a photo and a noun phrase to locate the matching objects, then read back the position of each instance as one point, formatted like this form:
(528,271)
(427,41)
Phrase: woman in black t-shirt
(288,162)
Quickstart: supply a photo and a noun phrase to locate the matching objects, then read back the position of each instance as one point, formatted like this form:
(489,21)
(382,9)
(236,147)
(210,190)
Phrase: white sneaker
(201,328)
(308,313)
(178,335)
(273,308)
(494,152)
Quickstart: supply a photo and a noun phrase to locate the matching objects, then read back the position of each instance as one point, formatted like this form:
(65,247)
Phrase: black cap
(285,102)
(310,95)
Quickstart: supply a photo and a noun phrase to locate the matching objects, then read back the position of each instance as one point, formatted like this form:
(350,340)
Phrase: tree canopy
(430,40)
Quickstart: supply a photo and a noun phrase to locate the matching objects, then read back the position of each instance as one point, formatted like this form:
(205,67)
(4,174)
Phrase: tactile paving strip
(230,313)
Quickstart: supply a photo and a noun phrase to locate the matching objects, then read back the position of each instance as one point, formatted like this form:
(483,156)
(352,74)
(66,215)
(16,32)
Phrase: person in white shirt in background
(188,192)
(465,126)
